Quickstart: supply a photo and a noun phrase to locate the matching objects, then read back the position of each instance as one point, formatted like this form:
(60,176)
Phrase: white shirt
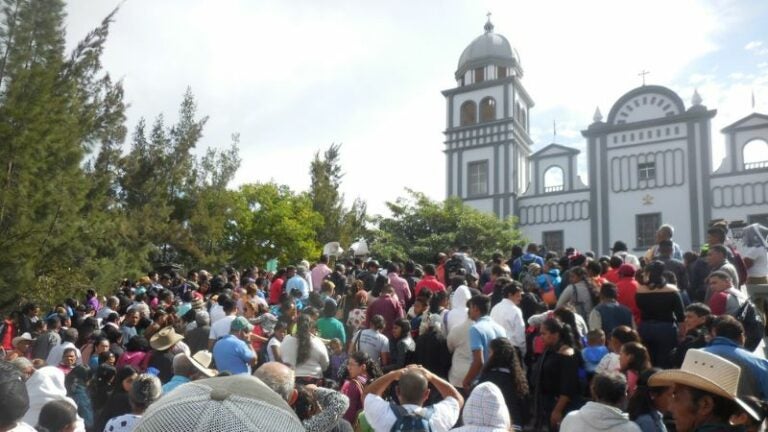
(372,343)
(273,342)
(759,261)
(380,416)
(54,356)
(508,315)
(221,327)
(123,423)
(217,313)
(314,366)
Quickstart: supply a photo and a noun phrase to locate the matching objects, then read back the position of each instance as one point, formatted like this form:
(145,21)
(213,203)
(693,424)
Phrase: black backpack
(753,322)
(410,421)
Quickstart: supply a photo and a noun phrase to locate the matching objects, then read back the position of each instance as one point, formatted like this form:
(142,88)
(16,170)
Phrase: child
(419,307)
(619,336)
(337,359)
(273,346)
(595,352)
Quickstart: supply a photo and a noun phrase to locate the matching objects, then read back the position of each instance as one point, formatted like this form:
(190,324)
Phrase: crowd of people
(532,341)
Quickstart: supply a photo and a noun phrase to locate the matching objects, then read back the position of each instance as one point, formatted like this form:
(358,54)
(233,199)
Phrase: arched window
(487,109)
(468,113)
(755,154)
(554,180)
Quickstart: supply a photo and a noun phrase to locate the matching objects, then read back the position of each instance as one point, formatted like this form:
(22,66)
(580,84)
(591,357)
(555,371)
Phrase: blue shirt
(529,258)
(482,332)
(299,283)
(175,381)
(754,370)
(233,355)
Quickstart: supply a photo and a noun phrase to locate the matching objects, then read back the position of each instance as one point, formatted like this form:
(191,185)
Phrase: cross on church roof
(643,74)
(488,25)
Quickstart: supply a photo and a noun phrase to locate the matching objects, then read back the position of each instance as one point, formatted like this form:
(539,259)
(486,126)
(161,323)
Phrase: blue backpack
(410,421)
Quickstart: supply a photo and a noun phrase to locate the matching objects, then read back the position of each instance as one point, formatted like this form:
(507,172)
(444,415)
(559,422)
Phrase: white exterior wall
(476,96)
(575,234)
(736,197)
(567,212)
(545,164)
(477,155)
(484,205)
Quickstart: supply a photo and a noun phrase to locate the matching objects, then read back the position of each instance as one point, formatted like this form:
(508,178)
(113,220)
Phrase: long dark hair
(583,276)
(655,273)
(503,355)
(641,360)
(563,330)
(567,315)
(372,368)
(641,401)
(304,336)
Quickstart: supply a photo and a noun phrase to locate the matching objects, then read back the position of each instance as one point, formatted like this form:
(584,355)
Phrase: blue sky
(294,77)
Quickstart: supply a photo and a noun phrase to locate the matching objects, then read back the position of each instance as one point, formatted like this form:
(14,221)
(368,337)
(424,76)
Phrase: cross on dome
(488,25)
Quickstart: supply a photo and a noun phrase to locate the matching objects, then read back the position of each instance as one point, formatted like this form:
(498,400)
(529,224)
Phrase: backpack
(453,267)
(753,322)
(524,263)
(410,421)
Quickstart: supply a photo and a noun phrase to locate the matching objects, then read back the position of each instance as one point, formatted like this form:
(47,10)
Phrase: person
(724,298)
(57,416)
(320,272)
(296,280)
(163,345)
(485,410)
(68,339)
(273,346)
(44,385)
(661,308)
(361,369)
(337,358)
(459,310)
(189,368)
(118,402)
(675,265)
(372,341)
(76,383)
(508,315)
(595,350)
(305,352)
(431,348)
(357,315)
(234,353)
(461,354)
(197,338)
(620,250)
(698,317)
(610,314)
(481,333)
(328,327)
(401,346)
(755,253)
(604,413)
(402,290)
(15,399)
(221,327)
(136,351)
(145,390)
(664,235)
(504,369)
(633,361)
(412,391)
(430,280)
(556,375)
(388,306)
(48,339)
(580,292)
(648,404)
(100,387)
(717,260)
(704,393)
(21,347)
(548,281)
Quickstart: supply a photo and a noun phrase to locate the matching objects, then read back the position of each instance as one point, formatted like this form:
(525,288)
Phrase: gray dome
(488,48)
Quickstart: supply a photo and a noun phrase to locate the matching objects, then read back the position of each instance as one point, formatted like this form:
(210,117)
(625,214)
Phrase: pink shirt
(402,289)
(318,274)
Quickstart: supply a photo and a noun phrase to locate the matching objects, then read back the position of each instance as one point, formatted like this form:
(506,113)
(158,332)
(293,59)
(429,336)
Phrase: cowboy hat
(708,372)
(201,360)
(164,339)
(24,337)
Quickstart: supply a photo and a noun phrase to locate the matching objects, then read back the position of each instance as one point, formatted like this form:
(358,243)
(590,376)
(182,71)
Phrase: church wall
(738,196)
(496,92)
(484,204)
(648,135)
(542,165)
(477,155)
(575,234)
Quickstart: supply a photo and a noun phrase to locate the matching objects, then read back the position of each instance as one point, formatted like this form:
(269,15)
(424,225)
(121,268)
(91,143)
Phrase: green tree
(419,228)
(325,175)
(270,221)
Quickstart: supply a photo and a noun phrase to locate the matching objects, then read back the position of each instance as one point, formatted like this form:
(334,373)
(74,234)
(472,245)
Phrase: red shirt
(389,308)
(275,290)
(431,283)
(612,275)
(10,331)
(627,289)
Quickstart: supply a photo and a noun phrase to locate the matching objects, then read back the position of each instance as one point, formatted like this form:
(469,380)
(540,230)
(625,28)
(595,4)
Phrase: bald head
(279,377)
(412,388)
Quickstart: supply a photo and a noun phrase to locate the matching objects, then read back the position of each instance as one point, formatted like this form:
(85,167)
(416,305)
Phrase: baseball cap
(231,403)
(240,324)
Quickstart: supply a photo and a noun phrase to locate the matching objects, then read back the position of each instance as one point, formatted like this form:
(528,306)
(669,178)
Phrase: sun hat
(24,337)
(240,324)
(231,403)
(164,339)
(708,372)
(201,360)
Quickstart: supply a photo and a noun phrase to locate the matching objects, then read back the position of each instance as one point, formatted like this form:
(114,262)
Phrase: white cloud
(753,45)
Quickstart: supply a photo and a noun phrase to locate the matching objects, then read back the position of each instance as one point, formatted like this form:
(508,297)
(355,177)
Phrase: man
(412,391)
(221,328)
(388,307)
(402,290)
(369,275)
(68,339)
(704,393)
(187,369)
(295,281)
(507,314)
(429,281)
(717,260)
(320,272)
(620,250)
(128,329)
(724,298)
(664,234)
(49,339)
(234,353)
(339,280)
(482,332)
(697,317)
(609,314)
(467,262)
(113,303)
(665,253)
(728,343)
(15,399)
(604,413)
(529,257)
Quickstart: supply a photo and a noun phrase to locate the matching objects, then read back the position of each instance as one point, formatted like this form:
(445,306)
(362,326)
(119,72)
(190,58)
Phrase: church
(649,161)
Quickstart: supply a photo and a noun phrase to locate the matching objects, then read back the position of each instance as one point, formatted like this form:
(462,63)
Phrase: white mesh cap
(239,403)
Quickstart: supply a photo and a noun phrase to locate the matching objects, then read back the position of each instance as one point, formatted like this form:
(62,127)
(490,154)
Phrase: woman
(144,390)
(100,345)
(556,378)
(548,281)
(581,292)
(461,357)
(401,346)
(627,286)
(360,370)
(459,310)
(633,361)
(661,308)
(118,402)
(57,416)
(485,411)
(328,327)
(76,382)
(648,404)
(100,387)
(356,318)
(68,360)
(306,353)
(505,370)
(755,254)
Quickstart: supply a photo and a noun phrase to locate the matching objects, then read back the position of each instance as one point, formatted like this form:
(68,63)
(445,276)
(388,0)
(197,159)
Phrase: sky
(294,77)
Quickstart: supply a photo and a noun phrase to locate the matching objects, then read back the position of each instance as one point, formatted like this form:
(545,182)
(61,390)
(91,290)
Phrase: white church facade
(649,161)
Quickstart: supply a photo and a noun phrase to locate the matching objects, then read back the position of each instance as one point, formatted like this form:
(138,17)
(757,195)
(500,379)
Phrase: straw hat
(25,337)
(201,360)
(708,372)
(164,339)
